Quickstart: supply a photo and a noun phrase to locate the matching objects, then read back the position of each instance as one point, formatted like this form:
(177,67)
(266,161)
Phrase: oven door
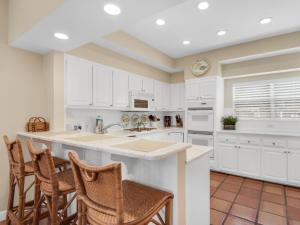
(200,120)
(203,139)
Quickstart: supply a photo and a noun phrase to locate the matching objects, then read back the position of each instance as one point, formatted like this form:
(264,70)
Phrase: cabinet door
(192,90)
(177,137)
(294,166)
(249,160)
(207,89)
(274,164)
(175,97)
(158,94)
(120,89)
(228,158)
(79,82)
(148,85)
(135,83)
(102,86)
(166,96)
(181,96)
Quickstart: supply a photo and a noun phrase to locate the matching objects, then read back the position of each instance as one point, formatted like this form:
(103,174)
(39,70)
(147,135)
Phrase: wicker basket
(37,124)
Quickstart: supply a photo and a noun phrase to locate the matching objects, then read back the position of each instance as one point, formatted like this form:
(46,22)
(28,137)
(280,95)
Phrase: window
(267,99)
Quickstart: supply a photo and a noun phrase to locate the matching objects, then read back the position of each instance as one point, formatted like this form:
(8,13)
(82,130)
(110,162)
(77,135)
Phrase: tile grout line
(260,202)
(286,205)
(228,213)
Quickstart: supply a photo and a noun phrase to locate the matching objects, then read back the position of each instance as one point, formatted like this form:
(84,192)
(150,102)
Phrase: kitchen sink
(141,129)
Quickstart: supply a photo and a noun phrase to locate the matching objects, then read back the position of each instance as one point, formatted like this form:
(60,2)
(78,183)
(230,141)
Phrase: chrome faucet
(103,130)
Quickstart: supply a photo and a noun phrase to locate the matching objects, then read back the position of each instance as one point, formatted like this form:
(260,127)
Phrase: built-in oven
(201,138)
(141,101)
(200,119)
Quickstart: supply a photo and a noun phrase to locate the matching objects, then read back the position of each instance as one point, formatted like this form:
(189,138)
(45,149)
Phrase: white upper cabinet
(78,82)
(135,82)
(197,89)
(158,95)
(120,89)
(102,86)
(177,96)
(148,85)
(166,96)
(140,83)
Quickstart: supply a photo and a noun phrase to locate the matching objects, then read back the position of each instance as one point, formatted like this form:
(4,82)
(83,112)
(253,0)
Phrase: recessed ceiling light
(266,20)
(160,22)
(221,32)
(112,9)
(186,42)
(203,5)
(61,36)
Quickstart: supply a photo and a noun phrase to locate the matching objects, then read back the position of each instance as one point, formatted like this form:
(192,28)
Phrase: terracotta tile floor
(242,201)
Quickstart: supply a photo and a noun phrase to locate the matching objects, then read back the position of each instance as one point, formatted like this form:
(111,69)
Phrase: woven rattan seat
(139,201)
(104,199)
(53,186)
(18,172)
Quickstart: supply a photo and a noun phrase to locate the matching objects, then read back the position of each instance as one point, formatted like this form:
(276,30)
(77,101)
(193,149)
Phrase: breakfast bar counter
(165,165)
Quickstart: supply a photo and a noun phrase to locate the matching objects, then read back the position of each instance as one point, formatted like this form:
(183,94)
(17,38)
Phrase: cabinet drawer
(229,139)
(274,142)
(294,144)
(248,140)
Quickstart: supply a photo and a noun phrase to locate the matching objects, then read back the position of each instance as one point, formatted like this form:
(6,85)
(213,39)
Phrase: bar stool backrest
(100,187)
(15,156)
(44,168)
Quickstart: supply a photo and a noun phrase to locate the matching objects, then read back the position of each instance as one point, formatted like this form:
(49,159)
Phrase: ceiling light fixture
(160,22)
(221,32)
(203,5)
(61,36)
(186,42)
(266,20)
(112,9)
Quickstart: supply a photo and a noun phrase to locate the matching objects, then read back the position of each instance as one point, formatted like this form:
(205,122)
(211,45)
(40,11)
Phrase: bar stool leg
(168,213)
(37,203)
(83,208)
(11,194)
(21,199)
(54,209)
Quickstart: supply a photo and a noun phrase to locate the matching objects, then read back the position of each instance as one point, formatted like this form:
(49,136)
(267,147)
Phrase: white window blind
(267,99)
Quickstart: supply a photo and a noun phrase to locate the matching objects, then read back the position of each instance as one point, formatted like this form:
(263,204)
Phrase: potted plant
(229,122)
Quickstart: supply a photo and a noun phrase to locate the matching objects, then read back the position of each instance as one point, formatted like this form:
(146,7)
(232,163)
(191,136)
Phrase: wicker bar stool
(54,187)
(19,170)
(104,199)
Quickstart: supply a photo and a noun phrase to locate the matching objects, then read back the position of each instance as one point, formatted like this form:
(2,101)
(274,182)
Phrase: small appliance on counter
(99,125)
(167,121)
(179,122)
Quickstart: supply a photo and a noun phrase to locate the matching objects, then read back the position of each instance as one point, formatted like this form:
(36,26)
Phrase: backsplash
(87,118)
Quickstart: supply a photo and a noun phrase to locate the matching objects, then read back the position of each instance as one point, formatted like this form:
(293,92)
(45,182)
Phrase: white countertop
(197,151)
(106,144)
(295,134)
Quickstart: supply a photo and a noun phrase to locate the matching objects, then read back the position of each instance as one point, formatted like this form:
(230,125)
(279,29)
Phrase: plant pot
(229,127)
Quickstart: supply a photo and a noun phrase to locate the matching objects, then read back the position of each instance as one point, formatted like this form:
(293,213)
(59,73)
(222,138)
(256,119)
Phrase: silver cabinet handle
(273,143)
(249,141)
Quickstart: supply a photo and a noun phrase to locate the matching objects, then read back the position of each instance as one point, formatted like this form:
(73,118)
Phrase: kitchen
(209,120)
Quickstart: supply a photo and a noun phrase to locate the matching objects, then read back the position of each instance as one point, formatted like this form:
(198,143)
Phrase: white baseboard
(2,215)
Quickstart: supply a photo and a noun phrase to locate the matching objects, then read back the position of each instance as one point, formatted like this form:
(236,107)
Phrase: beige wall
(228,83)
(136,46)
(107,57)
(277,43)
(24,14)
(177,77)
(275,63)
(21,94)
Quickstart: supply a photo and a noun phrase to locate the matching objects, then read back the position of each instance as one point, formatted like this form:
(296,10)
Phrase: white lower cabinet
(228,158)
(273,158)
(249,160)
(294,166)
(274,164)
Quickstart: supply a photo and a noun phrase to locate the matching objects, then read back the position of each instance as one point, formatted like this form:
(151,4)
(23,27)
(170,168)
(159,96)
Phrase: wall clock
(200,67)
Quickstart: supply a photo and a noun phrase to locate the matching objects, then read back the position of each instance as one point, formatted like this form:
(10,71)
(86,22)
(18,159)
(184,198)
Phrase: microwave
(141,101)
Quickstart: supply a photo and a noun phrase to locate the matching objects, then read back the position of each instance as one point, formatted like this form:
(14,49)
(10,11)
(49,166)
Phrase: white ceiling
(85,21)
(240,18)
